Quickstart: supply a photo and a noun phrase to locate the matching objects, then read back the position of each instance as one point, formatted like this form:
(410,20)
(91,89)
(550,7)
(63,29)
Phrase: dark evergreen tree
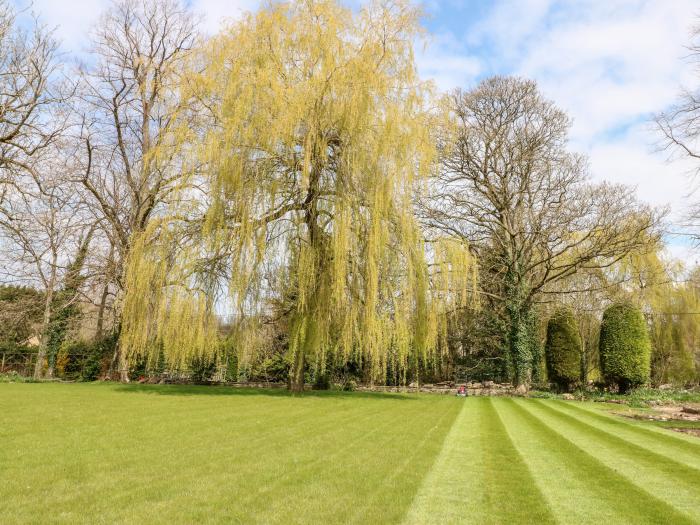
(625,347)
(563,350)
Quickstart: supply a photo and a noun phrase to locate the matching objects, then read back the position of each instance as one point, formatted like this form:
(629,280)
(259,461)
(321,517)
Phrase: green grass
(104,453)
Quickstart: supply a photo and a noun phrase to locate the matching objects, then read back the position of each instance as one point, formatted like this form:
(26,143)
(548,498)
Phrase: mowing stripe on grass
(303,478)
(364,514)
(479,476)
(664,461)
(667,442)
(176,476)
(668,480)
(579,487)
(222,450)
(297,481)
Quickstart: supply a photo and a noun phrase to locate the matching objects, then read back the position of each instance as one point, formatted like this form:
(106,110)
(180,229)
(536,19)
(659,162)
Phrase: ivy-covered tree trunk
(523,340)
(519,346)
(66,309)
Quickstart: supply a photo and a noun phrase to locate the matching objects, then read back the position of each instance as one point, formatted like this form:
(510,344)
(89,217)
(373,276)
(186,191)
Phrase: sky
(610,64)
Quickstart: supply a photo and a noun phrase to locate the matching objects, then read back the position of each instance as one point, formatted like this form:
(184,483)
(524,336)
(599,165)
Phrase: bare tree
(510,188)
(28,120)
(129,107)
(40,227)
(679,125)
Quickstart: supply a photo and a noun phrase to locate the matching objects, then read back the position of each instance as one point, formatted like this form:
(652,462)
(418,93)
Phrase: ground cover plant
(110,453)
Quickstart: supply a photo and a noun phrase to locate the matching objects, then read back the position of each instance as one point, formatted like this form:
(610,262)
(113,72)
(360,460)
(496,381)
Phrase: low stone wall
(487,388)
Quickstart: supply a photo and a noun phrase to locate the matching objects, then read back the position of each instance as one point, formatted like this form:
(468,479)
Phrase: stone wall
(487,388)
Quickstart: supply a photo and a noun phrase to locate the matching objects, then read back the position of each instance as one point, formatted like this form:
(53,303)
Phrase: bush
(97,359)
(83,360)
(322,381)
(70,358)
(228,358)
(625,347)
(14,377)
(349,385)
(563,350)
(273,368)
(201,369)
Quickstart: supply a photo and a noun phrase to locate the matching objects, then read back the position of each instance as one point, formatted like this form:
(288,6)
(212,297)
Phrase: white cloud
(218,12)
(684,252)
(72,20)
(630,159)
(611,65)
(442,60)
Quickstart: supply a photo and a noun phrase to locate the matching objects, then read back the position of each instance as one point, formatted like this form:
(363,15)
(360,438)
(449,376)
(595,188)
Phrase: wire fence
(21,363)
(69,366)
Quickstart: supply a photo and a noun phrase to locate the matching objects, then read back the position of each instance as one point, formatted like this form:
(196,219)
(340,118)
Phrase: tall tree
(318,138)
(66,309)
(509,186)
(679,125)
(28,97)
(39,224)
(128,106)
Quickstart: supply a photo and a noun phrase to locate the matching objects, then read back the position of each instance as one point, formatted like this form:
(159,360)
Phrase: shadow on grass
(219,390)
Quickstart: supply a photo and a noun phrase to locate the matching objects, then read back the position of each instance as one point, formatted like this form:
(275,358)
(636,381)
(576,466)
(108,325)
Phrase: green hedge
(625,347)
(563,350)
(84,360)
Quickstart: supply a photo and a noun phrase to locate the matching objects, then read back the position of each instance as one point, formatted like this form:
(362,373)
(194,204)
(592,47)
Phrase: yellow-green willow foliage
(670,300)
(318,137)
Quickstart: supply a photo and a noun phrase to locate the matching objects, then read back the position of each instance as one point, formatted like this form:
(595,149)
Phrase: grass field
(164,454)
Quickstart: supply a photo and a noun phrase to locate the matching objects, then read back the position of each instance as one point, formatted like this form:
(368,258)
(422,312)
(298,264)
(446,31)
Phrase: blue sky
(611,64)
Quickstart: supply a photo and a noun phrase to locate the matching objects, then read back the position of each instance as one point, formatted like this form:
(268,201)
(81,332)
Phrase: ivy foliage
(625,346)
(66,306)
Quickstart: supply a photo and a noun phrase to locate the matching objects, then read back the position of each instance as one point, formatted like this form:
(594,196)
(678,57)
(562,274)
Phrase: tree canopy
(317,138)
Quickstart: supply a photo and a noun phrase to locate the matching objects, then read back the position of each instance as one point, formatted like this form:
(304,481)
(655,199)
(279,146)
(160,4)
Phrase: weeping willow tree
(669,297)
(315,139)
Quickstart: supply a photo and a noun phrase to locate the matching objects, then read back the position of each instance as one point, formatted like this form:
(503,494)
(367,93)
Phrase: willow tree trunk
(315,240)
(296,373)
(118,365)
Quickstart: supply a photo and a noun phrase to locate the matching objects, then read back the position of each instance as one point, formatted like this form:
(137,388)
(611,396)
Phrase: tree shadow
(222,390)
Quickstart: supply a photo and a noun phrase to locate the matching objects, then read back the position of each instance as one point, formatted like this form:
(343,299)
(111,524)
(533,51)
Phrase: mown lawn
(102,453)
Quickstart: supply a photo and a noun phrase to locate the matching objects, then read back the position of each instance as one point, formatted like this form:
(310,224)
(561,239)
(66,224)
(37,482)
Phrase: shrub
(274,368)
(228,358)
(201,369)
(625,347)
(563,350)
(83,360)
(97,359)
(70,358)
(322,381)
(349,386)
(14,377)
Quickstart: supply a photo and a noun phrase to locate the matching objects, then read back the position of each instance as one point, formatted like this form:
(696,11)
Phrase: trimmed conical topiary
(625,347)
(563,350)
